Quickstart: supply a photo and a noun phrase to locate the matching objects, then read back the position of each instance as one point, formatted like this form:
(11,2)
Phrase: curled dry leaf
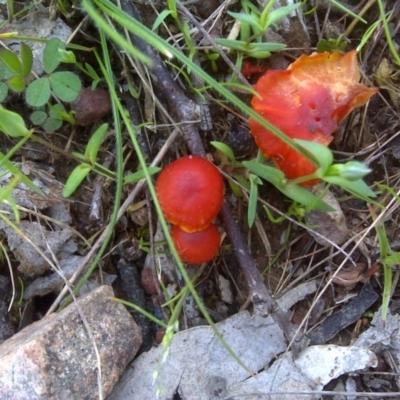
(348,277)
(307,101)
(327,226)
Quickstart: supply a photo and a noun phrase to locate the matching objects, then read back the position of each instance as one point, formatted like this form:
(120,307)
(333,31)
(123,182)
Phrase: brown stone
(54,358)
(91,106)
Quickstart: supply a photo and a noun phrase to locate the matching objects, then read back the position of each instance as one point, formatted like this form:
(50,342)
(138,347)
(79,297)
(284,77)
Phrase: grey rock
(31,262)
(54,358)
(329,224)
(54,282)
(39,25)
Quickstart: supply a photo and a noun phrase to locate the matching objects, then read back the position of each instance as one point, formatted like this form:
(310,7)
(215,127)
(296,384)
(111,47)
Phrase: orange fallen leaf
(307,101)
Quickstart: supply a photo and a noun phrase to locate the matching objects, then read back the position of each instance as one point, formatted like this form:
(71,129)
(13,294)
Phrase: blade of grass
(385,251)
(348,11)
(108,74)
(388,34)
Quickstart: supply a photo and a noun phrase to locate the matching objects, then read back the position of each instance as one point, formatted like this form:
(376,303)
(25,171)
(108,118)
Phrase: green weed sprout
(16,75)
(348,176)
(14,126)
(64,84)
(89,164)
(254,23)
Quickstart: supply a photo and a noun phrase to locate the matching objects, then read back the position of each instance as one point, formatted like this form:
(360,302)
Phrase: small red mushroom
(191,192)
(197,247)
(307,101)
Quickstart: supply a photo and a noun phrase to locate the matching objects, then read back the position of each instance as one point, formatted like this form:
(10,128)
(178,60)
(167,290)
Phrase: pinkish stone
(54,358)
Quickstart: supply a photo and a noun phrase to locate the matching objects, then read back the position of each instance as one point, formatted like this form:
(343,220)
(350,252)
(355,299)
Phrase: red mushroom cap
(191,193)
(197,247)
(307,101)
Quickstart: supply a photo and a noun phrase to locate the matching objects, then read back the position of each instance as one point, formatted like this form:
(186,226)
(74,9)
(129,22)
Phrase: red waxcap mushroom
(197,247)
(191,192)
(307,101)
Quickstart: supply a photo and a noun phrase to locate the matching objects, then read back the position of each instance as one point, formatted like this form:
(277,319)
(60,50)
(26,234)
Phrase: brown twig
(185,110)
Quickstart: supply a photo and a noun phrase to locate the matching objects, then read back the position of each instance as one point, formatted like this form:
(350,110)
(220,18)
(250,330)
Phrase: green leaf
(358,188)
(137,176)
(256,50)
(51,55)
(76,178)
(11,61)
(94,84)
(347,11)
(249,7)
(266,47)
(16,84)
(6,197)
(57,111)
(94,143)
(92,73)
(172,7)
(66,85)
(67,56)
(12,124)
(252,208)
(261,55)
(224,149)
(237,191)
(367,34)
(291,190)
(270,174)
(233,44)
(3,91)
(331,45)
(38,117)
(159,20)
(279,13)
(5,73)
(52,124)
(38,92)
(16,172)
(322,154)
(392,260)
(250,19)
(351,171)
(304,197)
(26,60)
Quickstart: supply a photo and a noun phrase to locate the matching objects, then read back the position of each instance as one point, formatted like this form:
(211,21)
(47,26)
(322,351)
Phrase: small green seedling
(53,119)
(89,164)
(253,26)
(13,125)
(64,84)
(89,161)
(332,45)
(68,57)
(15,75)
(14,70)
(348,176)
(389,258)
